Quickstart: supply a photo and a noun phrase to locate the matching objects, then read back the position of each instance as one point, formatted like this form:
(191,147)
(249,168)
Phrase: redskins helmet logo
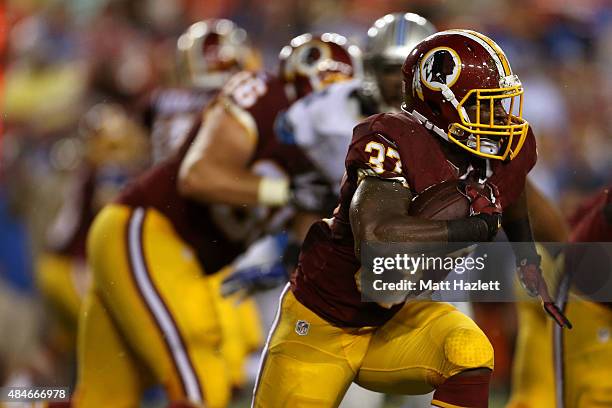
(309,55)
(440,66)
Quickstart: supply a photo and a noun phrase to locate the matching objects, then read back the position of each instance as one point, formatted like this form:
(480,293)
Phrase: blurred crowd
(64,56)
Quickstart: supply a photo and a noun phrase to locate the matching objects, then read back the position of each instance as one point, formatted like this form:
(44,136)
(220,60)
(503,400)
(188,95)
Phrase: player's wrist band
(469,229)
(273,191)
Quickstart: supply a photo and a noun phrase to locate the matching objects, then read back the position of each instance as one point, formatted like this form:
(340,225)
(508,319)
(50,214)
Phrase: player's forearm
(515,221)
(379,215)
(412,229)
(409,229)
(220,186)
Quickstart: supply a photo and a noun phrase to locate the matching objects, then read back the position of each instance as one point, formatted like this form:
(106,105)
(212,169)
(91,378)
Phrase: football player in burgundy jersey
(579,374)
(150,308)
(115,149)
(209,53)
(321,125)
(461,119)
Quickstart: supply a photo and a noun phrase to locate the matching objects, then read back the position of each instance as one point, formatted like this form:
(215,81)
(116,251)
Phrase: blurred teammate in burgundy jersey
(587,351)
(115,149)
(208,54)
(152,307)
(583,376)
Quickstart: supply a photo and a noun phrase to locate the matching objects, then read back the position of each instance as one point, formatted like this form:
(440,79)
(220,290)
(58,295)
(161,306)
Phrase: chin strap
(437,130)
(449,95)
(427,123)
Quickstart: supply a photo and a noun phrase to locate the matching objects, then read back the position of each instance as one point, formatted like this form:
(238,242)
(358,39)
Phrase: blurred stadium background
(61,57)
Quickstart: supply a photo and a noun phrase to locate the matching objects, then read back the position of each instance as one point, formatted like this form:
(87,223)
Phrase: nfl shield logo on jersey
(301,327)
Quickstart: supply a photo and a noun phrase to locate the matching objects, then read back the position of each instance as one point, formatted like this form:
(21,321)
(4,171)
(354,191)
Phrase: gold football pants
(310,363)
(149,316)
(241,329)
(62,281)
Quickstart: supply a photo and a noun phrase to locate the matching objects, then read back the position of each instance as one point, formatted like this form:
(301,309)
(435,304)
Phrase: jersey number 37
(382,152)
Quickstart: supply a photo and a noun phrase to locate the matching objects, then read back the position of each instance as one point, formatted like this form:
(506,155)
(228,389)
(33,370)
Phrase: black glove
(309,192)
(477,228)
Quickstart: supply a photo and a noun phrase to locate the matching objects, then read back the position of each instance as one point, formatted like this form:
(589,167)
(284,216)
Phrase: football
(441,202)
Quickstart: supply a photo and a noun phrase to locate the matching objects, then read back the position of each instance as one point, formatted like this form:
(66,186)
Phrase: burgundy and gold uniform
(153,306)
(214,231)
(323,321)
(116,149)
(387,146)
(586,348)
(174,114)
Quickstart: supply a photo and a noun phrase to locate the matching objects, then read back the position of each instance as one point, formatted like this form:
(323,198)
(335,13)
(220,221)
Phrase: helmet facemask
(490,121)
(384,82)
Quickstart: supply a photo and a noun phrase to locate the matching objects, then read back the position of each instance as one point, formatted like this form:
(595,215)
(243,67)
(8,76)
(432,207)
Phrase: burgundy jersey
(389,146)
(172,114)
(590,264)
(219,233)
(589,224)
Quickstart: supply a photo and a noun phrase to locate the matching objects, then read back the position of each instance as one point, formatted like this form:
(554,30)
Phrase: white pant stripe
(157,307)
(265,349)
